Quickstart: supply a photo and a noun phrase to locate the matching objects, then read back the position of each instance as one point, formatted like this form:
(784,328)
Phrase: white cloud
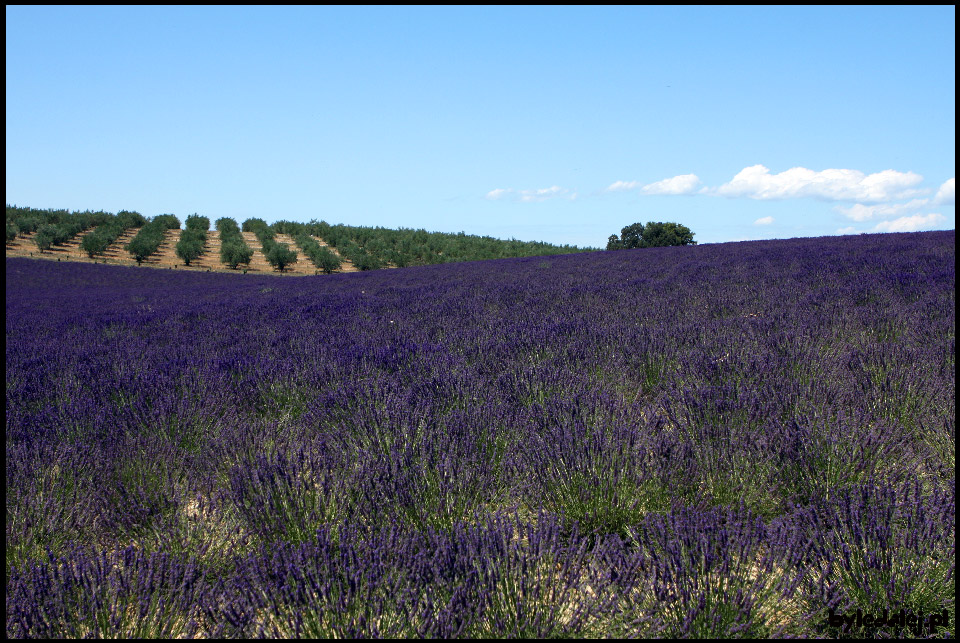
(763,221)
(682,184)
(621,186)
(756,182)
(530,196)
(861,212)
(947,194)
(847,230)
(910,224)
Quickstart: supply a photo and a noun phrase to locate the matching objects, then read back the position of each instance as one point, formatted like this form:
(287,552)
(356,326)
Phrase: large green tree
(654,234)
(234,252)
(280,256)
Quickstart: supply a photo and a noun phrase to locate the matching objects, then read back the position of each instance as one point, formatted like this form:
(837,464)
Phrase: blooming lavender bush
(719,440)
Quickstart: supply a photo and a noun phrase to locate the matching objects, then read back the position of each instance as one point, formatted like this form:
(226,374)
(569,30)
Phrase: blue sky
(556,124)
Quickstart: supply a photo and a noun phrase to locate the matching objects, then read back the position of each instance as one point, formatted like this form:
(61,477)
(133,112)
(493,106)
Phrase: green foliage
(654,234)
(142,246)
(658,234)
(26,225)
(151,236)
(226,225)
(166,221)
(371,248)
(366,261)
(99,240)
(280,256)
(62,225)
(326,260)
(321,256)
(233,249)
(631,236)
(366,247)
(30,219)
(234,252)
(130,219)
(196,222)
(95,243)
(254,224)
(46,237)
(192,243)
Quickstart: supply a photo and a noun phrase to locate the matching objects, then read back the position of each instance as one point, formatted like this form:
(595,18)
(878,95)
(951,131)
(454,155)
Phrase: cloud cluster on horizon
(874,196)
(910,223)
(756,182)
(909,217)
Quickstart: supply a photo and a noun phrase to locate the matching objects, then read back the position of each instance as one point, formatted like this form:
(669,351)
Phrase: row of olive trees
(278,254)
(22,221)
(12,231)
(233,248)
(322,257)
(97,242)
(369,248)
(57,234)
(148,240)
(193,240)
(52,227)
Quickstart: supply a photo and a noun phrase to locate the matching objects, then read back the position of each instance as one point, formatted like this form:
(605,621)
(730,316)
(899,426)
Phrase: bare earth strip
(258,263)
(22,246)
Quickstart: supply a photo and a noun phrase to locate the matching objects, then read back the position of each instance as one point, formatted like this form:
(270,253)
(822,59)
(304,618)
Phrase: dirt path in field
(166,256)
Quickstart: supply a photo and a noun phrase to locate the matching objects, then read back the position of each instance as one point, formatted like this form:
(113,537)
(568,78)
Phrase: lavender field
(723,440)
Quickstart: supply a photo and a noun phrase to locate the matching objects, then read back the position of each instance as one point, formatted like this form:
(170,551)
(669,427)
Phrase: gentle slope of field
(712,441)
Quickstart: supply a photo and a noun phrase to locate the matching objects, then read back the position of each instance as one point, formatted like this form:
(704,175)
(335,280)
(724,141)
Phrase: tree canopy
(654,234)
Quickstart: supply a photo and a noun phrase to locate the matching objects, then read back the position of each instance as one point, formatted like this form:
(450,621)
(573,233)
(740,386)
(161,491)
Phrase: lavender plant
(882,548)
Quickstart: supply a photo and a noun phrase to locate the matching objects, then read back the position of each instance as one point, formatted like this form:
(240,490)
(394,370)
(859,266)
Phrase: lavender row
(704,573)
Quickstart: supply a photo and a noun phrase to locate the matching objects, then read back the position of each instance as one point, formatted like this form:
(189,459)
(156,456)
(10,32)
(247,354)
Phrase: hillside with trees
(369,248)
(326,248)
